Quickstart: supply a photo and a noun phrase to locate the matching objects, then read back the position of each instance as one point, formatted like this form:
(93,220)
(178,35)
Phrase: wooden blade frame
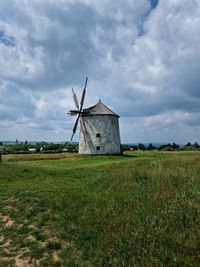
(80,110)
(75,98)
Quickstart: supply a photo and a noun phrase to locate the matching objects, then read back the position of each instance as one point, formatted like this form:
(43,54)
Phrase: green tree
(151,147)
(175,146)
(196,145)
(37,149)
(141,146)
(188,144)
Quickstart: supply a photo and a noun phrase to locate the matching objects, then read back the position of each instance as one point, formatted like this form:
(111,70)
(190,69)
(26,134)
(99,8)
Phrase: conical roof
(98,109)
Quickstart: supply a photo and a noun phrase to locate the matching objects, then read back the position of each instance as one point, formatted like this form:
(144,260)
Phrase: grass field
(141,209)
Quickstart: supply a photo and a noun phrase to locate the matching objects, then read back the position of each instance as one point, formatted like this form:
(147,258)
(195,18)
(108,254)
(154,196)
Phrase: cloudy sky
(142,58)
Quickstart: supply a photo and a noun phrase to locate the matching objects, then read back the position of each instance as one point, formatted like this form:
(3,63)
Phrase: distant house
(64,149)
(32,150)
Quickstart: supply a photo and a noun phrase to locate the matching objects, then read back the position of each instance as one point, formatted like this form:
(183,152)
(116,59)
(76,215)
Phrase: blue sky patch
(6,40)
(154,3)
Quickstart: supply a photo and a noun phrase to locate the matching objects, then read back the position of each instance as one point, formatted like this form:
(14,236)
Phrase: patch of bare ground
(51,245)
(32,157)
(11,200)
(32,225)
(7,244)
(56,256)
(63,245)
(19,262)
(31,237)
(6,220)
(9,207)
(1,238)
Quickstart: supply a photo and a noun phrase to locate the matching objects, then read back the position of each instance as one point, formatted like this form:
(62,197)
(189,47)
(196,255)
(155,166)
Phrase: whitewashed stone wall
(108,142)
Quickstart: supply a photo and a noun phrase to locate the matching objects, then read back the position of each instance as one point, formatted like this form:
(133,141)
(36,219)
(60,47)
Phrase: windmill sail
(75,127)
(83,95)
(75,98)
(79,111)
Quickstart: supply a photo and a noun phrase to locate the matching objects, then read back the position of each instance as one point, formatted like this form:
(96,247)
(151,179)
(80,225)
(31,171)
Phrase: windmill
(99,127)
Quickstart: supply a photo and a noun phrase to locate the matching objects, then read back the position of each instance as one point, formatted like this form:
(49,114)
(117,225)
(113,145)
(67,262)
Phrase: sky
(142,59)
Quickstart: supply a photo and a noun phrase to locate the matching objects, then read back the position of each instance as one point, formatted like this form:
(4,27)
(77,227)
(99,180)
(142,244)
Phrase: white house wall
(108,128)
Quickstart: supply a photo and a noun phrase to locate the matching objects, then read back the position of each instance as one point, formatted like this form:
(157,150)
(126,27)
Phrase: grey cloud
(61,39)
(13,103)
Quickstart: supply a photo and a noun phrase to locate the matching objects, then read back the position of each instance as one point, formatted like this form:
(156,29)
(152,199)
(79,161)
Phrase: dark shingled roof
(98,109)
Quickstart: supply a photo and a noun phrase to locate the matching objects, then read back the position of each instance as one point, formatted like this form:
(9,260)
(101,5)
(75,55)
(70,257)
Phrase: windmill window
(98,147)
(98,135)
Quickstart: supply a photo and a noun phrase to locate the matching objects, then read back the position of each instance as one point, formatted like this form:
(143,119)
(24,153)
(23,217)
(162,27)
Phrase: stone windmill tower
(99,128)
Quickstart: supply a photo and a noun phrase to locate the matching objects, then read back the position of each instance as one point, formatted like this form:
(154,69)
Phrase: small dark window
(98,135)
(98,147)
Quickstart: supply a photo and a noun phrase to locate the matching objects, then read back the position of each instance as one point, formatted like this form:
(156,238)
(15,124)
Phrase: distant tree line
(163,147)
(45,147)
(40,147)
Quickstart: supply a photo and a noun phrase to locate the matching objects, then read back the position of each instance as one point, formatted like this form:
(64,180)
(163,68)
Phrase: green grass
(141,209)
